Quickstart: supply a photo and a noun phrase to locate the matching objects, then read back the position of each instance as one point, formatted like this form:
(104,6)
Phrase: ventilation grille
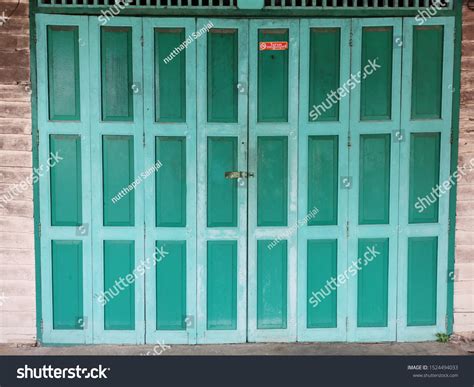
(173,4)
(362,4)
(269,4)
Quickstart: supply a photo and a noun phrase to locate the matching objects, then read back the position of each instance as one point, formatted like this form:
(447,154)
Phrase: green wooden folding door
(224,180)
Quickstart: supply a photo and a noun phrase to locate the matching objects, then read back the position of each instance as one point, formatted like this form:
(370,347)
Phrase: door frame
(85,337)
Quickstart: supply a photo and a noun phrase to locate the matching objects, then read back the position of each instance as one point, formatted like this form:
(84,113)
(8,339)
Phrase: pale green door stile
(222,116)
(66,257)
(323,160)
(373,195)
(423,251)
(117,159)
(170,196)
(273,145)
(243,254)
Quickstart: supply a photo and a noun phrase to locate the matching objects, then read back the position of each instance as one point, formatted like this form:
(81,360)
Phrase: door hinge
(449,224)
(347,229)
(349,140)
(39,229)
(452,137)
(142,41)
(41,326)
(350,39)
(144,140)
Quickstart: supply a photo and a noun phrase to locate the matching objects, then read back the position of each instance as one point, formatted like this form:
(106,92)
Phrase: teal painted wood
(425,230)
(272,181)
(145,131)
(133,127)
(119,262)
(321,265)
(272,285)
(82,333)
(68,303)
(179,129)
(63,68)
(318,233)
(287,129)
(236,130)
(387,226)
(221,287)
(171,285)
(422,281)
(222,156)
(66,181)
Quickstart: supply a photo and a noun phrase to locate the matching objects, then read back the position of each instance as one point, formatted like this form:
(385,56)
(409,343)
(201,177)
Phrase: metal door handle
(238,175)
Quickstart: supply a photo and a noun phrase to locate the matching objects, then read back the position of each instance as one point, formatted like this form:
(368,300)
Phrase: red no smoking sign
(273,46)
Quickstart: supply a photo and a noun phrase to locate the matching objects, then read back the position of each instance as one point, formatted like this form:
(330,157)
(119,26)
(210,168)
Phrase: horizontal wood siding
(464,269)
(17,258)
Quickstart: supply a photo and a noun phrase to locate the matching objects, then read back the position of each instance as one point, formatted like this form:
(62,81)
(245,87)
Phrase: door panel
(273,72)
(66,181)
(272,285)
(65,189)
(272,181)
(170,193)
(171,183)
(425,164)
(119,261)
(372,285)
(221,285)
(273,130)
(116,73)
(171,287)
(116,144)
(323,161)
(222,74)
(169,80)
(67,283)
(222,194)
(374,165)
(63,68)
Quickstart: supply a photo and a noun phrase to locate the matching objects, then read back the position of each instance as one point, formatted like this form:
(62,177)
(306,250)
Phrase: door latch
(238,175)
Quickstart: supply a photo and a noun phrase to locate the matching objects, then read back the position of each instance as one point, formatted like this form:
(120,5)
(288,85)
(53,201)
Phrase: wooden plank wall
(464,272)
(17,261)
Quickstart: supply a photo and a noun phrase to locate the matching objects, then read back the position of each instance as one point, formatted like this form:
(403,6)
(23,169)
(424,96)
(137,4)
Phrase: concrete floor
(341,349)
